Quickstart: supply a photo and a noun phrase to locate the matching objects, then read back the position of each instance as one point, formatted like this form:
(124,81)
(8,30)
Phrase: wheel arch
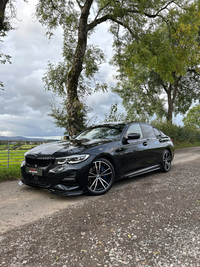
(170,151)
(109,158)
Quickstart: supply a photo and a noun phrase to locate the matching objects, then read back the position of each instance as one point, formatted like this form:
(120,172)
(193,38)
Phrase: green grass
(10,173)
(15,158)
(186,145)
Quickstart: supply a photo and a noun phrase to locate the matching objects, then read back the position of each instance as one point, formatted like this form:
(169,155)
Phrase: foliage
(114,115)
(59,113)
(161,65)
(72,77)
(181,136)
(192,119)
(128,115)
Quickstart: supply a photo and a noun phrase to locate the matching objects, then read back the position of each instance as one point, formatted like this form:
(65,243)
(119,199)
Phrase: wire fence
(12,152)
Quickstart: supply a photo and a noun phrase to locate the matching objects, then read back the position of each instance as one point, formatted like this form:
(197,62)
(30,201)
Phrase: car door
(152,151)
(131,154)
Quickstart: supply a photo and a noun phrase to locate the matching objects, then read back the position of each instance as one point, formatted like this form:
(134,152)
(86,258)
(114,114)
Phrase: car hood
(65,148)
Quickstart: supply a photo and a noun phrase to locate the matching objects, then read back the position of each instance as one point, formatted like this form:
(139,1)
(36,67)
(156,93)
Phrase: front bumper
(65,180)
(59,189)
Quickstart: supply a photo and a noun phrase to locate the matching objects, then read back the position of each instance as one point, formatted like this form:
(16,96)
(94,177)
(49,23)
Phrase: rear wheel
(101,177)
(166,161)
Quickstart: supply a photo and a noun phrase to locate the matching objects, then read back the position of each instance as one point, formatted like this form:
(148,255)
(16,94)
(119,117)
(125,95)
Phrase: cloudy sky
(24,104)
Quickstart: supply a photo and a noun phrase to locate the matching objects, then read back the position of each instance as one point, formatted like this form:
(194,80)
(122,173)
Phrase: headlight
(71,159)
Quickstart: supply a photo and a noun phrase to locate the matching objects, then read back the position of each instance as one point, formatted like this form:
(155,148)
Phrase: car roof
(118,123)
(110,123)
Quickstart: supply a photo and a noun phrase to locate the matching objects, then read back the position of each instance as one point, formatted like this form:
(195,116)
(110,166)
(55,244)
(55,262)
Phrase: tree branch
(99,11)
(79,4)
(157,13)
(165,88)
(96,22)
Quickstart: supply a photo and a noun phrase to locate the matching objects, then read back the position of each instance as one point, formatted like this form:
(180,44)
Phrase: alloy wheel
(100,177)
(166,161)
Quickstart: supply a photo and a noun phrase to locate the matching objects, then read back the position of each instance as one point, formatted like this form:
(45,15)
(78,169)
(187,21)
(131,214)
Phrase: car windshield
(102,132)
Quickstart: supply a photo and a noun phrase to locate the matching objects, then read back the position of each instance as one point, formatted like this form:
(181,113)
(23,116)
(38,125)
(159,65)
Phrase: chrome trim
(142,171)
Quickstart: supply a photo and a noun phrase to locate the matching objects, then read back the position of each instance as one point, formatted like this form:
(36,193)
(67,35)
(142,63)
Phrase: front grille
(42,161)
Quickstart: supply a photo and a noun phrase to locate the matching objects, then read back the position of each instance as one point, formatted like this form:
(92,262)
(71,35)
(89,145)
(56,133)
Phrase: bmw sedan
(96,158)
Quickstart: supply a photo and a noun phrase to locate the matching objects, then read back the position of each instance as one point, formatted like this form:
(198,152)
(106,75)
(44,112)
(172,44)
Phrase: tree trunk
(2,13)
(171,95)
(170,105)
(74,106)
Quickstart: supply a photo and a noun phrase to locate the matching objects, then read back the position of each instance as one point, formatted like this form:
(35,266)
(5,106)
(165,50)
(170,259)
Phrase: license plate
(34,171)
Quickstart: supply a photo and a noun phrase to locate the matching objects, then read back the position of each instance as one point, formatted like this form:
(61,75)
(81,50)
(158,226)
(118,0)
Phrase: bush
(182,136)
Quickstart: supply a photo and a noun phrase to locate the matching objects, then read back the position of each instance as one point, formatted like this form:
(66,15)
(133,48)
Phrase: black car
(97,157)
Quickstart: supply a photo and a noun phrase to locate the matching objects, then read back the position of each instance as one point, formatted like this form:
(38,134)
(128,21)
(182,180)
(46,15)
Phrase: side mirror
(133,136)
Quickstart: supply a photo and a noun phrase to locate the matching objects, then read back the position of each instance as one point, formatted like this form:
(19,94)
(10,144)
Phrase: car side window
(135,128)
(148,131)
(157,132)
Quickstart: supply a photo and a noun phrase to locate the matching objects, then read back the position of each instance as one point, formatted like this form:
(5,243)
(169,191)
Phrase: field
(12,154)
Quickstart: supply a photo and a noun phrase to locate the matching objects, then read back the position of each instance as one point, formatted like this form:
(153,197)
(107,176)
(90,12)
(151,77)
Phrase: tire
(100,177)
(166,161)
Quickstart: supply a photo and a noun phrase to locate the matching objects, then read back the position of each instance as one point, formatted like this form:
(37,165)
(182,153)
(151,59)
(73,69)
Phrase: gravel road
(151,220)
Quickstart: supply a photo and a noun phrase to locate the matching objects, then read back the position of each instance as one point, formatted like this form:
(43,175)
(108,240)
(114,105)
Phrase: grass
(16,156)
(186,145)
(10,173)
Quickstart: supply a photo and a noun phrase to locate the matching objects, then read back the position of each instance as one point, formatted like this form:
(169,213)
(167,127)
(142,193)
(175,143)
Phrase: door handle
(144,143)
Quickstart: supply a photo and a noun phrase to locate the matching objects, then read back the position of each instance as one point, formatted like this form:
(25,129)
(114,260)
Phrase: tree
(78,19)
(192,118)
(162,65)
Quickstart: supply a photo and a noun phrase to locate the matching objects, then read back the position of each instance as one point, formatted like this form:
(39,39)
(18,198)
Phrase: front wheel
(166,161)
(101,177)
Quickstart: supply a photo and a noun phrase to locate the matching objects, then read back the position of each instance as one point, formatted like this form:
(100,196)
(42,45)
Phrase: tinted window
(157,132)
(135,128)
(148,131)
(101,132)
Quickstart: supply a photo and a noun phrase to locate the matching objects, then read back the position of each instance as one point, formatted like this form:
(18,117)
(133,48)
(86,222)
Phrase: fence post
(8,154)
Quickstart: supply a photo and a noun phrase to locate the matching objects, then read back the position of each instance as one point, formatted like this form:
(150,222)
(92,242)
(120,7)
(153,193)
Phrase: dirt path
(22,204)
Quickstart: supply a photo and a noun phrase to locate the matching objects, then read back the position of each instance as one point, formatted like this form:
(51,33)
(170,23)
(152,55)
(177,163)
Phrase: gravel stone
(154,221)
